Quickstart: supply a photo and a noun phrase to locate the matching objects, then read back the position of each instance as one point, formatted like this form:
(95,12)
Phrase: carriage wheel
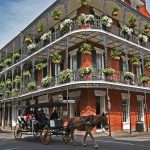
(45,135)
(66,136)
(17,132)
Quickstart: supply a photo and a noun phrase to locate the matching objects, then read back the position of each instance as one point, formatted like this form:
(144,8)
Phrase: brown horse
(86,124)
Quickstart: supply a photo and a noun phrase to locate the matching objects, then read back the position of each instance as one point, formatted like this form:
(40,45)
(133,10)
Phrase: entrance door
(125,111)
(100,107)
(140,110)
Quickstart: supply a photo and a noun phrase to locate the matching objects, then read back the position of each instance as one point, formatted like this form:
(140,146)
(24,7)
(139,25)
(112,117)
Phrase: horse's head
(104,121)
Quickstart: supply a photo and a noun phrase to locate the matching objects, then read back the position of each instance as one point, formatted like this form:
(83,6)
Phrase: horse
(84,123)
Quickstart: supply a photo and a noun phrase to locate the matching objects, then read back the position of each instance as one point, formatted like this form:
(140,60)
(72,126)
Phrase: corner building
(98,82)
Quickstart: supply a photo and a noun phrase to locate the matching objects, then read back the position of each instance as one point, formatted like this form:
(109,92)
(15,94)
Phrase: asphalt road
(105,143)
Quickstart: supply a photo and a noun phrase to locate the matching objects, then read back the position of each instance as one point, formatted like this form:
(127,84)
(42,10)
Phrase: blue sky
(15,15)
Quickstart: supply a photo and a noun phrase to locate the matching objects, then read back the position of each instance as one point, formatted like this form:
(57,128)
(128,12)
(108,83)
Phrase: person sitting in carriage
(54,115)
(42,116)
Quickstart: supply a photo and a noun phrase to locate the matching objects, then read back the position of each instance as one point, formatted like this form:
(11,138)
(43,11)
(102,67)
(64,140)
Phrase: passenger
(54,115)
(42,116)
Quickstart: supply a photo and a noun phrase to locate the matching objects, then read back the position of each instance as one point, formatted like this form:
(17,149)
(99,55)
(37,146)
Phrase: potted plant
(2,85)
(40,66)
(40,27)
(15,92)
(16,56)
(56,58)
(56,14)
(132,21)
(1,66)
(65,75)
(65,26)
(128,75)
(146,28)
(32,47)
(17,79)
(84,2)
(47,81)
(31,85)
(135,60)
(126,31)
(115,11)
(85,71)
(85,21)
(28,39)
(106,22)
(26,74)
(46,38)
(145,79)
(142,38)
(108,71)
(85,48)
(7,61)
(115,54)
(147,65)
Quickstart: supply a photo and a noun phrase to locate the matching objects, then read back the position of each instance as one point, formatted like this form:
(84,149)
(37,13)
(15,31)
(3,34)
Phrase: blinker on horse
(86,123)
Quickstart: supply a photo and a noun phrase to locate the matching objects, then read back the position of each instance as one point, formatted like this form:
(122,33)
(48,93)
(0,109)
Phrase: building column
(67,47)
(126,57)
(14,113)
(33,69)
(106,50)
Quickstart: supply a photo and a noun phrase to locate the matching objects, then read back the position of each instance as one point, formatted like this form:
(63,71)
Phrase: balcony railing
(97,75)
(96,25)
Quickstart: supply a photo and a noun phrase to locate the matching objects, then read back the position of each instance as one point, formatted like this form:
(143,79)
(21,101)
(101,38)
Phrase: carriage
(42,129)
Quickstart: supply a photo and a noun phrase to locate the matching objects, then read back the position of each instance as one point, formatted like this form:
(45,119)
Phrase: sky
(15,15)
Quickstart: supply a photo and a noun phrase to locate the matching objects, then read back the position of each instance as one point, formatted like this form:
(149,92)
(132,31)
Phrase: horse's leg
(93,139)
(72,137)
(85,136)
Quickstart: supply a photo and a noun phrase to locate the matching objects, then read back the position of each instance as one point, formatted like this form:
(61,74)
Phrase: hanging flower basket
(132,21)
(85,48)
(28,40)
(147,65)
(65,26)
(40,27)
(32,47)
(56,14)
(40,66)
(65,75)
(85,2)
(47,81)
(135,60)
(115,54)
(56,58)
(115,11)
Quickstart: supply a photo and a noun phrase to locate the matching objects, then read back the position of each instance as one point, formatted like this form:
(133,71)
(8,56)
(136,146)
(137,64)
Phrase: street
(28,142)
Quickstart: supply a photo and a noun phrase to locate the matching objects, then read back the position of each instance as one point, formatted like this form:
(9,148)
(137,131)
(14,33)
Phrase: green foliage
(47,81)
(8,82)
(16,56)
(26,74)
(17,79)
(85,48)
(56,58)
(85,70)
(56,14)
(108,71)
(40,66)
(7,61)
(31,85)
(135,59)
(2,85)
(115,53)
(65,74)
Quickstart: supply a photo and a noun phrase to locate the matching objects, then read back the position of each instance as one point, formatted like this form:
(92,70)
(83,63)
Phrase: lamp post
(109,108)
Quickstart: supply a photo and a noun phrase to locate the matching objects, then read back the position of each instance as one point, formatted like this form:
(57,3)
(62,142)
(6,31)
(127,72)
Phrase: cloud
(16,15)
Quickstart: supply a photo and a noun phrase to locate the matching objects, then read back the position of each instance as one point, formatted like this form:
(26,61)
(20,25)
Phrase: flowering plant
(83,19)
(143,38)
(56,58)
(147,64)
(106,21)
(40,66)
(146,28)
(32,47)
(85,48)
(8,82)
(108,71)
(145,79)
(126,30)
(128,75)
(28,39)
(15,91)
(46,36)
(66,24)
(85,70)
(132,21)
(65,74)
(46,81)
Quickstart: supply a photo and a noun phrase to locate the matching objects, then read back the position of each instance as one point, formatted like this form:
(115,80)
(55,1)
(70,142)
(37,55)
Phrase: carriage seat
(57,123)
(87,119)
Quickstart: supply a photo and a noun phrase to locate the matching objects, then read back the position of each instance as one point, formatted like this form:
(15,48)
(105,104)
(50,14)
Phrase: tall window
(140,110)
(125,110)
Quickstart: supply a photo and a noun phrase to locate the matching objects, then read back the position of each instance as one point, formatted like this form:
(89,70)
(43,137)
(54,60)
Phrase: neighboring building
(107,76)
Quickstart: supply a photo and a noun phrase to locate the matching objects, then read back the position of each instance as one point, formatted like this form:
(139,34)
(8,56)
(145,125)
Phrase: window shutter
(68,61)
(53,69)
(35,75)
(62,65)
(94,58)
(78,59)
(44,72)
(130,66)
(104,60)
(121,64)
